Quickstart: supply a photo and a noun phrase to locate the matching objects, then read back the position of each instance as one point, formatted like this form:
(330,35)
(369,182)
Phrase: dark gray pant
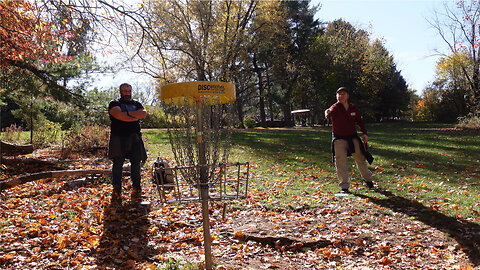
(117,172)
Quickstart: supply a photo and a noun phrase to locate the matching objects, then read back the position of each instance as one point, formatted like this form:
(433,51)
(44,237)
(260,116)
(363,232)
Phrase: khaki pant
(341,164)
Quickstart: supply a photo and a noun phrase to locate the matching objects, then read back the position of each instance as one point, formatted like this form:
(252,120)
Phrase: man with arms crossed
(126,142)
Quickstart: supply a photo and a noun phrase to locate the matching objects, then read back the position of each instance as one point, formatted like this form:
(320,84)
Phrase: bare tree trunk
(239,106)
(269,100)
(260,91)
(31,121)
(287,107)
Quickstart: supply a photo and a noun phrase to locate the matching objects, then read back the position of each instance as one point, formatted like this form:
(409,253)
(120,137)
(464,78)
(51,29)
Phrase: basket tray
(227,182)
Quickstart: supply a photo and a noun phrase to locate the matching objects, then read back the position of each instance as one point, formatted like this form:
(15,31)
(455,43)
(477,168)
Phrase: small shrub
(47,134)
(250,122)
(12,134)
(91,138)
(238,124)
(470,122)
(155,118)
(172,264)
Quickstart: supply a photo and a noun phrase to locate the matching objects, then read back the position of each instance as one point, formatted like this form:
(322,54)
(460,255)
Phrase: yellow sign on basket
(193,92)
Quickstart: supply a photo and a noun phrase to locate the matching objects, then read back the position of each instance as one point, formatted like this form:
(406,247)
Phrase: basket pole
(204,188)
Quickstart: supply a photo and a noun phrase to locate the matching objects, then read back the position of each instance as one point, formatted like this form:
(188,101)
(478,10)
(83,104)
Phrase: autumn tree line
(278,55)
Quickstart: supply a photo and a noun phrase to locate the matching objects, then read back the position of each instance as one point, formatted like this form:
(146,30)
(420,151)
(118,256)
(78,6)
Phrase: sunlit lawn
(418,162)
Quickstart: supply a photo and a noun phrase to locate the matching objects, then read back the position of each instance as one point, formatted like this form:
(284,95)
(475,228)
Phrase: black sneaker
(345,190)
(369,184)
(136,196)
(116,199)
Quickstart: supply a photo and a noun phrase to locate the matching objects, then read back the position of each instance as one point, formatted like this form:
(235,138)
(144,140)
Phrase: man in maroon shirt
(345,140)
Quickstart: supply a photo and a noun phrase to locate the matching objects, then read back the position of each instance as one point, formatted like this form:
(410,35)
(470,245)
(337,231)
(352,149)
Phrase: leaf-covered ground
(48,224)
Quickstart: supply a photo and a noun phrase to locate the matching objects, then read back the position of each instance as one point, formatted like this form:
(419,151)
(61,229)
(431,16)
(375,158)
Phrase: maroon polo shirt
(343,121)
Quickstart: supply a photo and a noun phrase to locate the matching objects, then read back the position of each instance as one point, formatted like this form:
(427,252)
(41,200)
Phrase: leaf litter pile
(49,224)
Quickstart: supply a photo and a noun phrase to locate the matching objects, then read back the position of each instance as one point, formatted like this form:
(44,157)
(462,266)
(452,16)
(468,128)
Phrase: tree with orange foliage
(28,42)
(25,36)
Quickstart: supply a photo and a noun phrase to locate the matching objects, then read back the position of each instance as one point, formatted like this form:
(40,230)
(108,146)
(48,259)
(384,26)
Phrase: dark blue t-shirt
(122,128)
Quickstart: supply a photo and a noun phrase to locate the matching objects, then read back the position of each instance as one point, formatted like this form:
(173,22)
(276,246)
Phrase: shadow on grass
(427,161)
(464,232)
(311,143)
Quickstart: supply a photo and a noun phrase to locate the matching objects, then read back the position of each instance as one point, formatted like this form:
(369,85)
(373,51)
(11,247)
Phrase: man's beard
(127,97)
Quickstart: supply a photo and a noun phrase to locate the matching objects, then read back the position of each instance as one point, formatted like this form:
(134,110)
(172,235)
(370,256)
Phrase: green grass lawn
(417,162)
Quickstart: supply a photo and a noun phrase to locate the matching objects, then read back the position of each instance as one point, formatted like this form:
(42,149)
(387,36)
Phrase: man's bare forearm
(139,114)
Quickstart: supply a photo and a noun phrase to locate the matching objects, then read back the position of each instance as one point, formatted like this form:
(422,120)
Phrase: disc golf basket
(198,115)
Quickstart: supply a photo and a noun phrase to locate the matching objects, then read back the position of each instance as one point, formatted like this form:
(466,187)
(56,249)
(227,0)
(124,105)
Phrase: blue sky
(403,27)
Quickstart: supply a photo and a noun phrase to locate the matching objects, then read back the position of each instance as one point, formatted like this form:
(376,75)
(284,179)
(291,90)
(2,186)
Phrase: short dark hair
(124,85)
(343,88)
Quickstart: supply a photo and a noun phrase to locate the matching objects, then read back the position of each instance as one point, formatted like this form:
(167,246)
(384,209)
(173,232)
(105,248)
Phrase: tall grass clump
(12,134)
